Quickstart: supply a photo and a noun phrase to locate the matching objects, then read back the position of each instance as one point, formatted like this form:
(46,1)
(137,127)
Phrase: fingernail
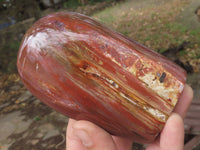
(84,137)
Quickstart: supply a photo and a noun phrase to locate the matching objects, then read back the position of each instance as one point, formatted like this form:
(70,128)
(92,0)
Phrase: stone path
(188,16)
(21,129)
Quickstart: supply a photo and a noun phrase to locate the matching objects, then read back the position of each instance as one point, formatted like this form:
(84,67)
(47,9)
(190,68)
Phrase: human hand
(84,135)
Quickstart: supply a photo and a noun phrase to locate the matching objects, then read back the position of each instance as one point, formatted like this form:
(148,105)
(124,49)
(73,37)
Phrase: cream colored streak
(154,112)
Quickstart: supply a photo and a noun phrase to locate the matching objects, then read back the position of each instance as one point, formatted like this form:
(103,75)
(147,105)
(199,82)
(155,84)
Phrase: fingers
(71,141)
(84,135)
(123,143)
(184,101)
(172,136)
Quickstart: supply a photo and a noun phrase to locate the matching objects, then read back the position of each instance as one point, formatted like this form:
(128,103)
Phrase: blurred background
(170,27)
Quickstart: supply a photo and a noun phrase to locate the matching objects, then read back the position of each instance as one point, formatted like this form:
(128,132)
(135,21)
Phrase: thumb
(84,135)
(172,136)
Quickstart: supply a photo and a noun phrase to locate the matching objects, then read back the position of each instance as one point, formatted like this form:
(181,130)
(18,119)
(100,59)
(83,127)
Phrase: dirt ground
(27,123)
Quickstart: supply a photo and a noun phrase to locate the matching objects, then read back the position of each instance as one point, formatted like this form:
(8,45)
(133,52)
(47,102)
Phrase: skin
(84,135)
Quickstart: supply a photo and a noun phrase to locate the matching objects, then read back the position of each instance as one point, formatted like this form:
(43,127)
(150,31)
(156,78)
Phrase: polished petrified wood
(87,71)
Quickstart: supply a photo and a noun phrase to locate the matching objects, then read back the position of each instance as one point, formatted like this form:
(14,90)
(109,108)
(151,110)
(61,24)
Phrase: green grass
(182,53)
(107,19)
(125,33)
(162,50)
(173,27)
(72,4)
(8,60)
(14,45)
(106,16)
(92,2)
(148,38)
(195,34)
(153,15)
(37,118)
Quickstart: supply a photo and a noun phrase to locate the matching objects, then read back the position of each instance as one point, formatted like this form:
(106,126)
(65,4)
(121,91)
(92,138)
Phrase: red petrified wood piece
(87,71)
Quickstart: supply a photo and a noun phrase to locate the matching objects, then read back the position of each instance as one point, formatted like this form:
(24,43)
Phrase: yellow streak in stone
(155,113)
(127,98)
